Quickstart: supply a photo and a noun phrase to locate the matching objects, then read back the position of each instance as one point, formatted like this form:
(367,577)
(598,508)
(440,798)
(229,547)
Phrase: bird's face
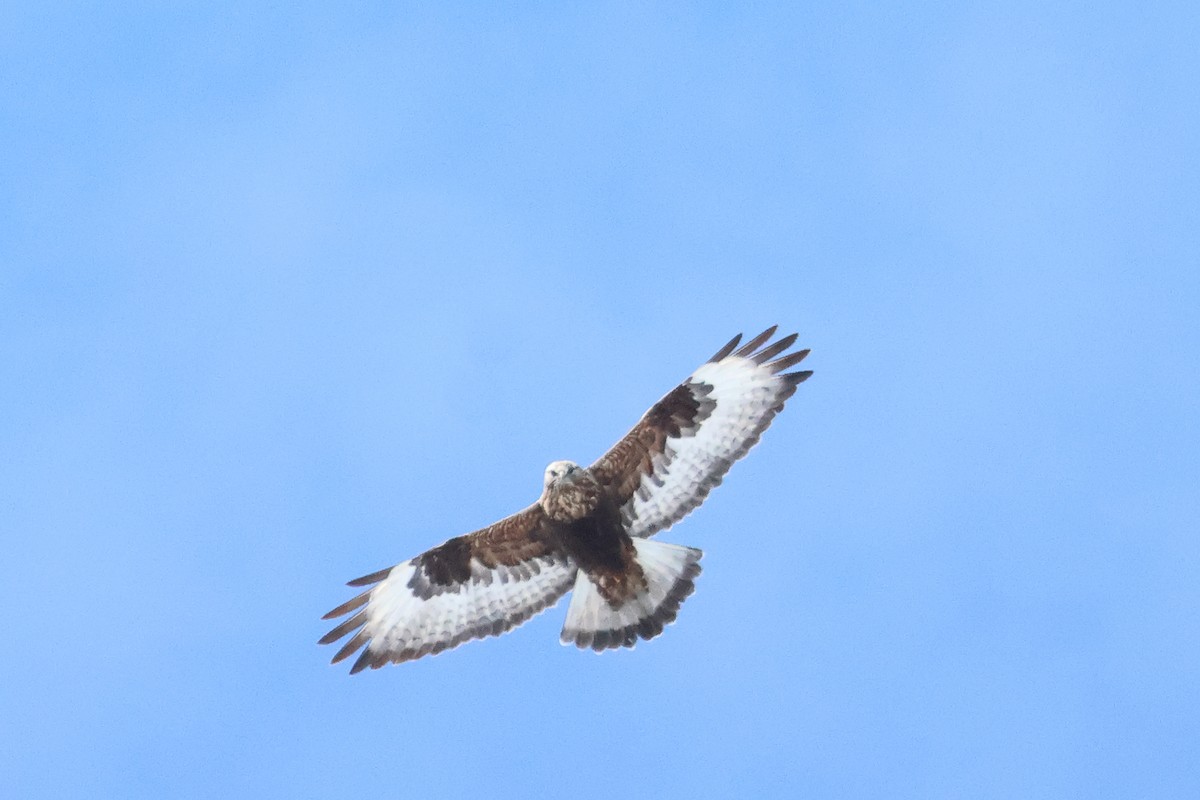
(557,471)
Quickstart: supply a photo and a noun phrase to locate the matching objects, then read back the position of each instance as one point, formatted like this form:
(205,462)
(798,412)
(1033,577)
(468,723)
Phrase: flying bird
(587,532)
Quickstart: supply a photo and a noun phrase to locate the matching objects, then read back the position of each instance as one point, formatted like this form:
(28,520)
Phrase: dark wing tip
(727,349)
(349,605)
(790,360)
(757,342)
(357,621)
(367,659)
(799,377)
(767,353)
(350,647)
(374,577)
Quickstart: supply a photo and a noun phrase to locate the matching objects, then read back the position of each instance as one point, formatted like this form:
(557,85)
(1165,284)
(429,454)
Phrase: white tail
(593,622)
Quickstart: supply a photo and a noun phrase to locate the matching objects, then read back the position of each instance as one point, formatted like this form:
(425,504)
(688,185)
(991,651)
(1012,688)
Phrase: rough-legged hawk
(588,530)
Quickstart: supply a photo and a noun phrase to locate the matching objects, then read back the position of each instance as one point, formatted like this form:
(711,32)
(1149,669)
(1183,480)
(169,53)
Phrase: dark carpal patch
(448,563)
(646,451)
(682,411)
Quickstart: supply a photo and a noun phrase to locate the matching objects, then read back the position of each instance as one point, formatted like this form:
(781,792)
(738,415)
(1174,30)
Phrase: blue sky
(290,293)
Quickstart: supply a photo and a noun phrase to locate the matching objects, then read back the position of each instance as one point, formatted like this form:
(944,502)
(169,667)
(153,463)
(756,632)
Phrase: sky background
(292,292)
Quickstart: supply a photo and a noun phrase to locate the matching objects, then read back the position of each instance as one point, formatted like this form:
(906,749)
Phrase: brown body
(586,525)
(579,519)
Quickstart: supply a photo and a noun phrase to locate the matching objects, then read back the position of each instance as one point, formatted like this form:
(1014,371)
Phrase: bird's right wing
(480,584)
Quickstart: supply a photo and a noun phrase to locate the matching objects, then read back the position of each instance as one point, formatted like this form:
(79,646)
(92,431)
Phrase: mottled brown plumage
(646,448)
(573,496)
(510,542)
(587,529)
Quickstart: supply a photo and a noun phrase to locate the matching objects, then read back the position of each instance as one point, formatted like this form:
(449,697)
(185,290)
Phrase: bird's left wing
(480,584)
(687,441)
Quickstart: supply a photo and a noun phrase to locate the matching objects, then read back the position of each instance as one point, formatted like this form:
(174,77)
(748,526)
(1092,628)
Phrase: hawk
(588,531)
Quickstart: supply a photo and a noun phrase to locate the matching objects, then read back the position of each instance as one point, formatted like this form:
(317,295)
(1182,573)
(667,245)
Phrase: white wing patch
(746,395)
(405,617)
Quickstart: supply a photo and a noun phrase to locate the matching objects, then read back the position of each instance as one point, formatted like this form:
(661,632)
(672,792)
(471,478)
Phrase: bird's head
(557,471)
